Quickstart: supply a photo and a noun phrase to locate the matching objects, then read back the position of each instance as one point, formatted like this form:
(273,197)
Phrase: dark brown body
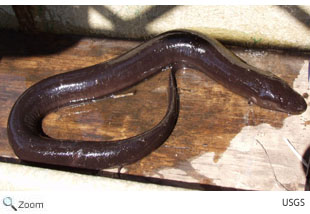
(175,49)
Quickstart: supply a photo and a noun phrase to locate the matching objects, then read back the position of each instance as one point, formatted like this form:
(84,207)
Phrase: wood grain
(214,141)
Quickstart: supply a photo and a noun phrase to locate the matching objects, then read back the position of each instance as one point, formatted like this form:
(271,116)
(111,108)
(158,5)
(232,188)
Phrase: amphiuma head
(275,94)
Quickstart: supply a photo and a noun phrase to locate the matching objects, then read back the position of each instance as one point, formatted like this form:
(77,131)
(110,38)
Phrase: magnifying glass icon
(7,201)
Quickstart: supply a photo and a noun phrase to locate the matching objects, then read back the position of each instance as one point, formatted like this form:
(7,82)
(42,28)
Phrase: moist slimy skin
(174,49)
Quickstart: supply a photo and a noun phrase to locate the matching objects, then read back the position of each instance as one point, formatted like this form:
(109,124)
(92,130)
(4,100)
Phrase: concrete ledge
(280,26)
(18,177)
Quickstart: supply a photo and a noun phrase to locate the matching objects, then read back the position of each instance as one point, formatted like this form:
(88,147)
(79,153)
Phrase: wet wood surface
(219,140)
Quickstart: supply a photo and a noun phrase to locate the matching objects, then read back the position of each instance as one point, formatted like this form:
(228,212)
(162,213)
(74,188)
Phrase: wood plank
(215,139)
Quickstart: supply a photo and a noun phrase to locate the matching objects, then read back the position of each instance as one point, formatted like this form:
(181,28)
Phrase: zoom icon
(7,201)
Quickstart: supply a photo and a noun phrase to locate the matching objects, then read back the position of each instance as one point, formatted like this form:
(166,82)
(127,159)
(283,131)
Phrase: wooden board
(215,142)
